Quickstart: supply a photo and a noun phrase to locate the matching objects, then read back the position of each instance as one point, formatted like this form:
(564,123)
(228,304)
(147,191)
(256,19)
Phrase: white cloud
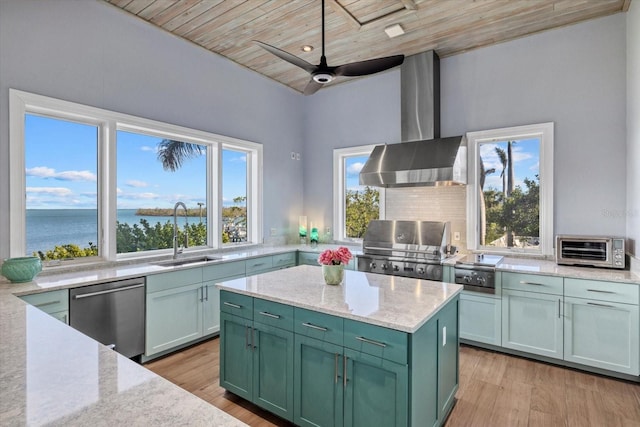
(355,168)
(147,148)
(139,196)
(58,191)
(46,172)
(137,184)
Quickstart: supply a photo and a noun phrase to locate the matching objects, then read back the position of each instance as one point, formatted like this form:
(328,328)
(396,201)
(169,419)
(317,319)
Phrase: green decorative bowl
(22,269)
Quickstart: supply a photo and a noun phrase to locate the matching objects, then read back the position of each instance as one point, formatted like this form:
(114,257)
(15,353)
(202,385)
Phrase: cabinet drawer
(49,302)
(284,260)
(625,293)
(224,270)
(382,342)
(532,283)
(259,265)
(319,326)
(308,258)
(236,304)
(173,279)
(273,313)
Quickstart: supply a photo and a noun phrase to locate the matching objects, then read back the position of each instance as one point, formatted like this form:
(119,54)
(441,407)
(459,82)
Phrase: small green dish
(22,269)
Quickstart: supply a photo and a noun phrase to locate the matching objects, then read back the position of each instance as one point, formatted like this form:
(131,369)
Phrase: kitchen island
(377,350)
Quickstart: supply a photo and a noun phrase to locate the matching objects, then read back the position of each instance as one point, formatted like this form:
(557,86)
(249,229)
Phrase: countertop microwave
(593,251)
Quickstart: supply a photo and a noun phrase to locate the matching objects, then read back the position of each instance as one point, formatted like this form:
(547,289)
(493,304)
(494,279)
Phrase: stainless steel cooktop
(480,260)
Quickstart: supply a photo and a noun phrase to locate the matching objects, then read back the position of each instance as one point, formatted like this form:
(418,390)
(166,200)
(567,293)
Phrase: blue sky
(526,161)
(61,170)
(353,165)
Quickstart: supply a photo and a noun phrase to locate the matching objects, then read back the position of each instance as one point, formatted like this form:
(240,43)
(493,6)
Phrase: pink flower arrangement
(341,255)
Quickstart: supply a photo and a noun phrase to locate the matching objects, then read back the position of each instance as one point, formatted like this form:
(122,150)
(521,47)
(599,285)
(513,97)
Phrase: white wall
(573,76)
(93,53)
(633,127)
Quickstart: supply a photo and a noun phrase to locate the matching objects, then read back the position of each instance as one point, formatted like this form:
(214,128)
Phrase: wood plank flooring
(495,390)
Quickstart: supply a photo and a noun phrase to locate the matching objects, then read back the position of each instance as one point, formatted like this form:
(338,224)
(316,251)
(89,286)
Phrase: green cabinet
(54,303)
(256,358)
(265,264)
(532,314)
(344,372)
(601,325)
(481,318)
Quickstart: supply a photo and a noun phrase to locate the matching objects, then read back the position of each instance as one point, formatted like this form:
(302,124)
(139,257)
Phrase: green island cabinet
(344,372)
(55,303)
(256,352)
(532,314)
(601,326)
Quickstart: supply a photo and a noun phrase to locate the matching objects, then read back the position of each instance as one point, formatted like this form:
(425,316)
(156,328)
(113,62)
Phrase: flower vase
(333,274)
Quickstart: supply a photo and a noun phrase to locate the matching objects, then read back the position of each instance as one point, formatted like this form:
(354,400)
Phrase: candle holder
(302,229)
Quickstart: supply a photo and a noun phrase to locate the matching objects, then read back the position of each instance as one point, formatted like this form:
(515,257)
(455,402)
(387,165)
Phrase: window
(104,184)
(61,178)
(510,190)
(354,205)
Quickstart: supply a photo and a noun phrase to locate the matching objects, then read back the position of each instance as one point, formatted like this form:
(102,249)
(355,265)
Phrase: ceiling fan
(322,73)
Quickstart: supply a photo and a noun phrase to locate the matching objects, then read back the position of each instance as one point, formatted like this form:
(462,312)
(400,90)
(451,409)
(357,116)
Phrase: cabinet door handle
(206,288)
(336,369)
(253,341)
(600,305)
(368,341)
(273,316)
(201,293)
(524,282)
(246,336)
(559,308)
(312,326)
(230,304)
(599,291)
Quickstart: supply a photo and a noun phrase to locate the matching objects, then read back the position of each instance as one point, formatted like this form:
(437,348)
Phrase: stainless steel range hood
(423,158)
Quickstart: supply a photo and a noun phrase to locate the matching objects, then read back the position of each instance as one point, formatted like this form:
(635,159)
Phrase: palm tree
(503,159)
(510,178)
(173,153)
(483,207)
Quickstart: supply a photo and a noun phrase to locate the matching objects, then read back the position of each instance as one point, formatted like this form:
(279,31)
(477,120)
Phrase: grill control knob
(421,271)
(384,266)
(467,279)
(396,268)
(372,266)
(481,280)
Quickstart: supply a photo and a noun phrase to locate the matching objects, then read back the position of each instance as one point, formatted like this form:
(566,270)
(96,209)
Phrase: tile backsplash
(431,204)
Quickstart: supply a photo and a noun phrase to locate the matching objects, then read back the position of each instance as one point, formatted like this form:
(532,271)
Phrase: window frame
(543,131)
(109,122)
(339,206)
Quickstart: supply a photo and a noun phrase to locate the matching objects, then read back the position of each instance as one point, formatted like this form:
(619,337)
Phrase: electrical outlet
(293,155)
(297,156)
(274,232)
(456,235)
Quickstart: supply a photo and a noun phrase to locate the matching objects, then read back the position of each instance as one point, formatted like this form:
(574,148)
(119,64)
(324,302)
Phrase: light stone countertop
(398,303)
(51,374)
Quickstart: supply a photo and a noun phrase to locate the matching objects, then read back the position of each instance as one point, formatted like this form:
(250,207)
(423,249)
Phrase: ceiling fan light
(323,78)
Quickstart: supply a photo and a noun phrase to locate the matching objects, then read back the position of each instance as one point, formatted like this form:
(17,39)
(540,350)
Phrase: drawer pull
(258,265)
(599,291)
(600,305)
(44,304)
(312,326)
(230,304)
(273,316)
(368,341)
(524,282)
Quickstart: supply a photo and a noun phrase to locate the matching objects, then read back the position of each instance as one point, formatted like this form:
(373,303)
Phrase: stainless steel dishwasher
(112,313)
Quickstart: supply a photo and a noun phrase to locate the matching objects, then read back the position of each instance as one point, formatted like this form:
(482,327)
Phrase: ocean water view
(47,228)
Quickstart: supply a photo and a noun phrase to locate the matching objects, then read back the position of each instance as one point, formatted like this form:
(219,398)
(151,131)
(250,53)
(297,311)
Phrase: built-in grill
(477,272)
(405,248)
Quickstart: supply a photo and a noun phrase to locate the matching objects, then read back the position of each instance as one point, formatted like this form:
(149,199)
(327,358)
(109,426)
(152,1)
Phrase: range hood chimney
(422,158)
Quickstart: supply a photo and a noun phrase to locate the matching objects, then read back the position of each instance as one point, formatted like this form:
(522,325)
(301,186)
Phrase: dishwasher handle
(109,291)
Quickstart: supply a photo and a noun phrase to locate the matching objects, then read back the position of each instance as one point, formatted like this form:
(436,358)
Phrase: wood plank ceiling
(355,28)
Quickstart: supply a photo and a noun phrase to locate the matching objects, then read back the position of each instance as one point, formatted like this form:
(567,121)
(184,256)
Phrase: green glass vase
(333,274)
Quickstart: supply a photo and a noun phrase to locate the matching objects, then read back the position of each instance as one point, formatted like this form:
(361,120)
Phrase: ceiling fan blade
(312,87)
(370,66)
(292,59)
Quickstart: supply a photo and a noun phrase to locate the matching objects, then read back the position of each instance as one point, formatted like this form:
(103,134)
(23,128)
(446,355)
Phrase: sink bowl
(187,261)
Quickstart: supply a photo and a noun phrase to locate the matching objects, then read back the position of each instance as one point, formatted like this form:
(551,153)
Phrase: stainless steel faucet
(177,250)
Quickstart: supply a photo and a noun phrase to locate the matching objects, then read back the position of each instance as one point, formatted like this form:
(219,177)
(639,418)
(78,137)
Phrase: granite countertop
(398,303)
(52,374)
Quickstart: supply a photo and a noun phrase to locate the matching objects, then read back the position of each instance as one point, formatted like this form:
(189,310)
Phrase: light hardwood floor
(495,390)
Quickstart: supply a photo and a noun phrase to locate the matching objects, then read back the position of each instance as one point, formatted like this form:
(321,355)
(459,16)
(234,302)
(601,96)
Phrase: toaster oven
(593,251)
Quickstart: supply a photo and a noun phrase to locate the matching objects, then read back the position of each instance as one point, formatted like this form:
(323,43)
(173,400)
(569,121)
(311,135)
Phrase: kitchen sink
(186,261)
